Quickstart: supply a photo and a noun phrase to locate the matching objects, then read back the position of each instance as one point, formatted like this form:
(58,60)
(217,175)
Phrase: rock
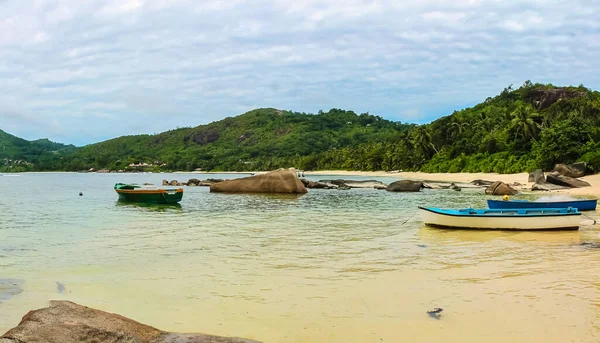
(323,185)
(454,187)
(165,182)
(306,183)
(537,176)
(355,183)
(193,182)
(213,180)
(500,188)
(278,181)
(405,186)
(180,184)
(544,98)
(9,288)
(561,180)
(173,183)
(479,182)
(545,186)
(67,322)
(571,170)
(382,186)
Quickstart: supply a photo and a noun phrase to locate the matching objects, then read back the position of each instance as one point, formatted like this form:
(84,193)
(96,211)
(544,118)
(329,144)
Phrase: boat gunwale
(466,214)
(147,191)
(449,227)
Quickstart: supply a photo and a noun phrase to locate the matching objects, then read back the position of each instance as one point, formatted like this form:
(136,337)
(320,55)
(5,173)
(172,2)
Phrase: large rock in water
(566,181)
(355,183)
(500,188)
(405,186)
(278,181)
(571,170)
(537,176)
(67,322)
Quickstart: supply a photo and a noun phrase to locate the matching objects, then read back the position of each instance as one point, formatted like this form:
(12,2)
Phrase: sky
(79,72)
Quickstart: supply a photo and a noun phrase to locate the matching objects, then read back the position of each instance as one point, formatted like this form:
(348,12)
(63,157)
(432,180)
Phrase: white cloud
(101,68)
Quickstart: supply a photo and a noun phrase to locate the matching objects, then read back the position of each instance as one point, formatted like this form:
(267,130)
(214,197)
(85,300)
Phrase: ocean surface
(327,266)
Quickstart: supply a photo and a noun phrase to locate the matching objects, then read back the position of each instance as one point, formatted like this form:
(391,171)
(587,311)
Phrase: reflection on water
(148,207)
(327,266)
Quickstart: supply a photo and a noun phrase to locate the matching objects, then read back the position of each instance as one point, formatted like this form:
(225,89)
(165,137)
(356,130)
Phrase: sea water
(329,266)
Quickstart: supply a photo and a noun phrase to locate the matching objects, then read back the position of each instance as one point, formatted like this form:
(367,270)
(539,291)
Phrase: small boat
(502,219)
(145,194)
(581,205)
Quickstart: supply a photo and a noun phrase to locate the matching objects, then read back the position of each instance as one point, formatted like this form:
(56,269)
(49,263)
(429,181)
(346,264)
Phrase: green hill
(17,154)
(534,126)
(260,139)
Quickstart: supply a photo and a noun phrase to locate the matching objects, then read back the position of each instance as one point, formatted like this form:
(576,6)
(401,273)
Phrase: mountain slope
(17,154)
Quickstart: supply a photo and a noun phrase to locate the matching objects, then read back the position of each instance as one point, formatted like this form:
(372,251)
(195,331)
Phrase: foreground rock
(500,188)
(405,186)
(279,181)
(574,170)
(566,181)
(67,322)
(537,176)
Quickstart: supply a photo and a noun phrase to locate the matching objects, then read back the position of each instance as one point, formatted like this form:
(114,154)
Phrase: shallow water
(328,266)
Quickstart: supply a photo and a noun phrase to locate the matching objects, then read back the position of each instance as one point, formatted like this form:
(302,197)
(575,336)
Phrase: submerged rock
(67,322)
(10,287)
(279,181)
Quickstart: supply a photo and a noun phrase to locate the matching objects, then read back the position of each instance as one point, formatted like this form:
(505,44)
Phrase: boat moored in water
(581,205)
(502,219)
(149,195)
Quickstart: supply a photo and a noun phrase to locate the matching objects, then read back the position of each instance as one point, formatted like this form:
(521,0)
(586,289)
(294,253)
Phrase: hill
(257,140)
(17,154)
(534,126)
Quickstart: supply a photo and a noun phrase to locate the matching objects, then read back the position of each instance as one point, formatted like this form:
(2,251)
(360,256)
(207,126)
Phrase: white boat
(502,219)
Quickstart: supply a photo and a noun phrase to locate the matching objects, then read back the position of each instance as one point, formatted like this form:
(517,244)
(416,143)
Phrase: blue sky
(84,71)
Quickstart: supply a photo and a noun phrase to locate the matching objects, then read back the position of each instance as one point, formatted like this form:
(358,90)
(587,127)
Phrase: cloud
(92,70)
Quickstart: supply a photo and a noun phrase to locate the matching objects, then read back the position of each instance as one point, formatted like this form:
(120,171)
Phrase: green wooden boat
(149,195)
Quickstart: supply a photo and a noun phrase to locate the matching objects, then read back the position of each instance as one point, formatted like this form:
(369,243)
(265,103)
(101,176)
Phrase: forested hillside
(17,154)
(534,126)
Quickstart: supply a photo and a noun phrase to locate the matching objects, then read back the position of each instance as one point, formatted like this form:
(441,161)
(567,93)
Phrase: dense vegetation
(534,126)
(17,154)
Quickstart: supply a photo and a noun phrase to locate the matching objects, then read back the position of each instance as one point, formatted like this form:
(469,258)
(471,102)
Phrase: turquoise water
(328,266)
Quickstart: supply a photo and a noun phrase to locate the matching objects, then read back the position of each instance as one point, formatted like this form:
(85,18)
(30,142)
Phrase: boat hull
(160,196)
(510,220)
(581,205)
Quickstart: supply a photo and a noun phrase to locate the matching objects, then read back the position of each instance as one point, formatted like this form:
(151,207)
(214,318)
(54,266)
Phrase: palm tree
(423,143)
(522,123)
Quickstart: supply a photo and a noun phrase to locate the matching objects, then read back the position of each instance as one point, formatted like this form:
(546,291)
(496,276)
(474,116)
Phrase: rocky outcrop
(571,170)
(67,322)
(193,182)
(537,176)
(544,98)
(557,179)
(500,188)
(173,183)
(405,186)
(355,183)
(165,182)
(279,181)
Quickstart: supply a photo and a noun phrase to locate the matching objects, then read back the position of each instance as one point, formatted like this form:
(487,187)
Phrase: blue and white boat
(502,219)
(581,205)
